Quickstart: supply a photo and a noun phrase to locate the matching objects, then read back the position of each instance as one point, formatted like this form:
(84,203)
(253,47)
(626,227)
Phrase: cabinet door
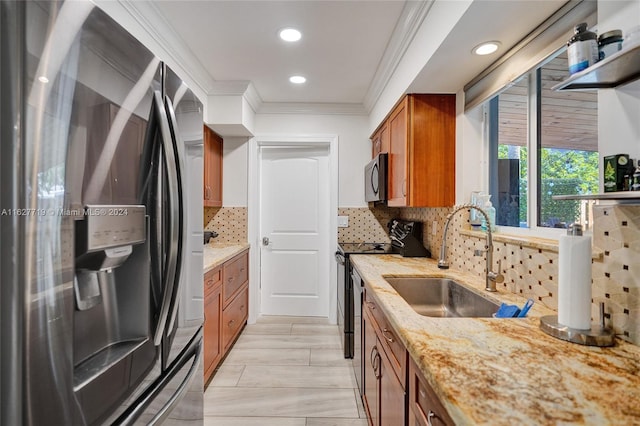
(234,317)
(425,409)
(397,186)
(371,362)
(212,337)
(212,169)
(431,151)
(392,396)
(380,140)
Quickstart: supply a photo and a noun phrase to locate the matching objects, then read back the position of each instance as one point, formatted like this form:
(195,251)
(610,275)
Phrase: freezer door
(75,132)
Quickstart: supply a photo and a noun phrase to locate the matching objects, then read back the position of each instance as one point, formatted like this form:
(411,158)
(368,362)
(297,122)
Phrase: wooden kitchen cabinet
(212,321)
(235,297)
(384,391)
(421,170)
(212,169)
(370,361)
(226,309)
(425,409)
(380,140)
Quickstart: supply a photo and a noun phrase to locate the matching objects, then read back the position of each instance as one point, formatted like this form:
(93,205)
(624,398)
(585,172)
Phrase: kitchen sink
(442,297)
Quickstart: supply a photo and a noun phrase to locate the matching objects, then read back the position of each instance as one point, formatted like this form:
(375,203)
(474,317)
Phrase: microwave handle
(374,184)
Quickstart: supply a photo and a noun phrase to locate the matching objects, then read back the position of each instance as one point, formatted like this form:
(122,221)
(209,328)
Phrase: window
(543,143)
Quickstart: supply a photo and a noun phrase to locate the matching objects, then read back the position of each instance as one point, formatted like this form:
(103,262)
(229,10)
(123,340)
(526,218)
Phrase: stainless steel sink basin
(442,297)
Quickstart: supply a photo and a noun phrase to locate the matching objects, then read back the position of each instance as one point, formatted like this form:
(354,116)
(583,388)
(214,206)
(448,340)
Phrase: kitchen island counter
(506,371)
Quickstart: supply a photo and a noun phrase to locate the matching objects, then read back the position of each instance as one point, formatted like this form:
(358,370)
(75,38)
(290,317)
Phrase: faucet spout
(491,276)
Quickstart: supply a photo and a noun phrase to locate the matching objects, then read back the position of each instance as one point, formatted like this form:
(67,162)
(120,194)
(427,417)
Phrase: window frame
(534,149)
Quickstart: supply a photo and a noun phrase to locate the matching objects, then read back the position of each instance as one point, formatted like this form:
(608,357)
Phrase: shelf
(620,196)
(620,68)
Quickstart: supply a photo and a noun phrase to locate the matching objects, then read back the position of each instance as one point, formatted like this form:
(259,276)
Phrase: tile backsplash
(531,268)
(365,225)
(229,222)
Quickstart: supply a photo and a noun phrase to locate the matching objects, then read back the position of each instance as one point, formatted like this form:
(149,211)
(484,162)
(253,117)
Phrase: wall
(354,147)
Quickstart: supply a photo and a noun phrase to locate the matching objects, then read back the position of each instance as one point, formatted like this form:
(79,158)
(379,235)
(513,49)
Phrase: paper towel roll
(574,281)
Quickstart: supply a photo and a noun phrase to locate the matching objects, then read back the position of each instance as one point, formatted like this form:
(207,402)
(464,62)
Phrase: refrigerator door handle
(178,164)
(193,350)
(173,191)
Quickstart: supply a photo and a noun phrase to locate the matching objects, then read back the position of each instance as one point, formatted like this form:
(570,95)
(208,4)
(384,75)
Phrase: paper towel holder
(598,335)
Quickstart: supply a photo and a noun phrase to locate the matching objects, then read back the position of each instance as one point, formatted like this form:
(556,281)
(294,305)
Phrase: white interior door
(294,217)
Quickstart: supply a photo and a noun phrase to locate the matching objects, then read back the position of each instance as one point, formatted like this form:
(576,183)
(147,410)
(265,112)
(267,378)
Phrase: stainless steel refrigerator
(100,312)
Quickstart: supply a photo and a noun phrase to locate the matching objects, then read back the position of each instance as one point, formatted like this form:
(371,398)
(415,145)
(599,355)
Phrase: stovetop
(365,248)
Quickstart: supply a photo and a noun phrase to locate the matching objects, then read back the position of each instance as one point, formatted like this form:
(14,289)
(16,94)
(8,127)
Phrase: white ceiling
(345,45)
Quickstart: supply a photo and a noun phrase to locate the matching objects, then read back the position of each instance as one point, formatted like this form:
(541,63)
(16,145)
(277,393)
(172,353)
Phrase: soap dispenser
(491,212)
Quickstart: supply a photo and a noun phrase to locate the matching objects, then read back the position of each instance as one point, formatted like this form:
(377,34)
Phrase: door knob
(265,241)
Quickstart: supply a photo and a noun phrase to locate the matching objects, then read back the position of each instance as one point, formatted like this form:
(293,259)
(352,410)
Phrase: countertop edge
(215,255)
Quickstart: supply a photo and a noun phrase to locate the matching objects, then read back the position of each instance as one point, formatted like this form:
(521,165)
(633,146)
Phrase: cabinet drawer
(234,316)
(212,279)
(391,343)
(424,404)
(234,274)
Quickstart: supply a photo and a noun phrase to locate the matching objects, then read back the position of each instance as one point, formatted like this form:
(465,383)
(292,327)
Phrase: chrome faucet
(491,277)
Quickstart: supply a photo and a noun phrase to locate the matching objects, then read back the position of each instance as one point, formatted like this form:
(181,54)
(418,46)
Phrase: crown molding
(411,18)
(179,55)
(148,17)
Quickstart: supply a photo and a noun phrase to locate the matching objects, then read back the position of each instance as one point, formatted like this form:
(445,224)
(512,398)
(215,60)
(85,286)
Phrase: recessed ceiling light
(297,79)
(43,79)
(290,34)
(486,48)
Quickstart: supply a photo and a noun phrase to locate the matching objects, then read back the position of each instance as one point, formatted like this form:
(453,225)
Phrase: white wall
(440,20)
(235,170)
(354,147)
(472,167)
(619,110)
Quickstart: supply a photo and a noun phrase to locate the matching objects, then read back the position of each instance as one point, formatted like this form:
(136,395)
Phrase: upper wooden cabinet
(212,169)
(421,170)
(380,140)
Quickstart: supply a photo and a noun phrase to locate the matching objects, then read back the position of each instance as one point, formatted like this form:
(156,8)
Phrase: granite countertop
(506,371)
(215,254)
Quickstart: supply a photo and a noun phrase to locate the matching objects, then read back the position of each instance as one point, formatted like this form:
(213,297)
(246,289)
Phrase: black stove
(347,309)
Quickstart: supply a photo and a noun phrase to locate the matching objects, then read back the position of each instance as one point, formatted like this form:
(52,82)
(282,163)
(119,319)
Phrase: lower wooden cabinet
(425,409)
(212,322)
(384,393)
(233,318)
(226,308)
(395,393)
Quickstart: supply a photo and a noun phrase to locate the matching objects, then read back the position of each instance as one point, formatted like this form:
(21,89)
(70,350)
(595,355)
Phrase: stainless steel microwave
(375,178)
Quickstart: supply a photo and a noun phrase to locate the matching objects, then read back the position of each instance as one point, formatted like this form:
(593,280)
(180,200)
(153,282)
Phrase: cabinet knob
(231,322)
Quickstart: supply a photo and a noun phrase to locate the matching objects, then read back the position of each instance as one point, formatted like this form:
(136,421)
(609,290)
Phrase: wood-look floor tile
(330,357)
(243,356)
(227,375)
(298,377)
(267,329)
(275,319)
(336,422)
(281,402)
(314,329)
(254,421)
(257,341)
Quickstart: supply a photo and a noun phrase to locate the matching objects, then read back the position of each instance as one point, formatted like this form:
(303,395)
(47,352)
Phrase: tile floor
(285,371)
